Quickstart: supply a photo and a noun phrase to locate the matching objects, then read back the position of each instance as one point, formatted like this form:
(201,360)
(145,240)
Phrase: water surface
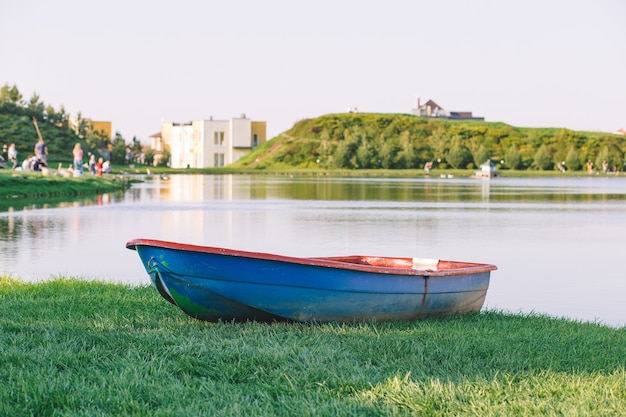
(557,242)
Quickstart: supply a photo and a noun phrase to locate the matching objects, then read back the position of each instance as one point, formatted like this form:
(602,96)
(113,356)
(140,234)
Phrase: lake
(558,242)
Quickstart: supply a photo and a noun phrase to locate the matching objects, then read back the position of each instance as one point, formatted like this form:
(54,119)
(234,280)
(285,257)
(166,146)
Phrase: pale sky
(527,63)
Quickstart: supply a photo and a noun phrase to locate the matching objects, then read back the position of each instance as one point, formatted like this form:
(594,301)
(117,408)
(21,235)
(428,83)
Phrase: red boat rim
(374,264)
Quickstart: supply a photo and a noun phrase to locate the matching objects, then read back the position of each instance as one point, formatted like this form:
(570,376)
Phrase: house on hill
(432,109)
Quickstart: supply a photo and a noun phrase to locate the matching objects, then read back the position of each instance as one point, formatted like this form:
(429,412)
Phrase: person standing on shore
(92,164)
(12,155)
(78,158)
(41,151)
(99,167)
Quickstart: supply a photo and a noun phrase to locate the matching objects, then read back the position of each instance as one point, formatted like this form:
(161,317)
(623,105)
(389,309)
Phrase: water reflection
(548,190)
(16,225)
(557,242)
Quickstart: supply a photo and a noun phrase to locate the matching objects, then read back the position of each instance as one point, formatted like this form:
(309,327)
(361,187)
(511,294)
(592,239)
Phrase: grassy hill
(401,141)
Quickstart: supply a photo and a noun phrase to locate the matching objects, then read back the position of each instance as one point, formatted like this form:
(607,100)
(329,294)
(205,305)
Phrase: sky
(136,63)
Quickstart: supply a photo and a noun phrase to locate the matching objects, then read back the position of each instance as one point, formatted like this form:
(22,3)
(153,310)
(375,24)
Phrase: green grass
(77,348)
(15,184)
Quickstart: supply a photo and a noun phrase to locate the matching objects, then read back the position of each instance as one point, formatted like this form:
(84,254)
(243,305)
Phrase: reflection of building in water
(485,192)
(211,143)
(200,187)
(205,219)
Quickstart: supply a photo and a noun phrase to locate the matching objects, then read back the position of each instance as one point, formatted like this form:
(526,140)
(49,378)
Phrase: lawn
(73,347)
(16,184)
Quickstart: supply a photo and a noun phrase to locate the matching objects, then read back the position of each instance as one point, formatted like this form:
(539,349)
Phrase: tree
(36,107)
(439,142)
(98,142)
(365,155)
(149,156)
(459,156)
(481,155)
(136,147)
(11,100)
(543,159)
(325,149)
(513,158)
(408,155)
(341,157)
(572,160)
(118,151)
(82,126)
(389,153)
(58,118)
(165,158)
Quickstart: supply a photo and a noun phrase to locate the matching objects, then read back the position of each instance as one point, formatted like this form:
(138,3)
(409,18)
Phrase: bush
(543,159)
(459,156)
(513,158)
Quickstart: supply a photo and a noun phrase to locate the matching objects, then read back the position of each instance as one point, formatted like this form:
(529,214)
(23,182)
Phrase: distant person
(106,167)
(28,163)
(38,163)
(78,158)
(92,164)
(589,167)
(32,163)
(99,167)
(41,151)
(12,155)
(129,156)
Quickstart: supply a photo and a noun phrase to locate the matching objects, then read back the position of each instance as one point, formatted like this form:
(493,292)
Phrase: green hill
(401,141)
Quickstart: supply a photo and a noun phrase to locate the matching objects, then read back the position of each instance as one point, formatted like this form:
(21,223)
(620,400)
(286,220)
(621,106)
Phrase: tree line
(17,125)
(401,141)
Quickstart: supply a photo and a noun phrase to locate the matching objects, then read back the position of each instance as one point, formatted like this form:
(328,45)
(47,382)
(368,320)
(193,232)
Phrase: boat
(218,284)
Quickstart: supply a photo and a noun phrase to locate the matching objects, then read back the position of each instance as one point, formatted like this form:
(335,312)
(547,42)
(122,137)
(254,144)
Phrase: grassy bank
(70,347)
(35,185)
(355,173)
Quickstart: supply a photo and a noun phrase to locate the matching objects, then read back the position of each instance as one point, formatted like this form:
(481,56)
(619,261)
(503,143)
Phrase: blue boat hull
(219,284)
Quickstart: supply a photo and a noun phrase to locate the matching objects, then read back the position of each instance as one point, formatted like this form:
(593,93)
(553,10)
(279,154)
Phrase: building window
(218,159)
(255,140)
(218,138)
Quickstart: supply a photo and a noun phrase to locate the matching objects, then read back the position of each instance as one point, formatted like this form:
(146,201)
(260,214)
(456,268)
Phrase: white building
(211,143)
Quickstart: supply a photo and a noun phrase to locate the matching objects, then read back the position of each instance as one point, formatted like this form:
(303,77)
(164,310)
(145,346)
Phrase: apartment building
(211,143)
